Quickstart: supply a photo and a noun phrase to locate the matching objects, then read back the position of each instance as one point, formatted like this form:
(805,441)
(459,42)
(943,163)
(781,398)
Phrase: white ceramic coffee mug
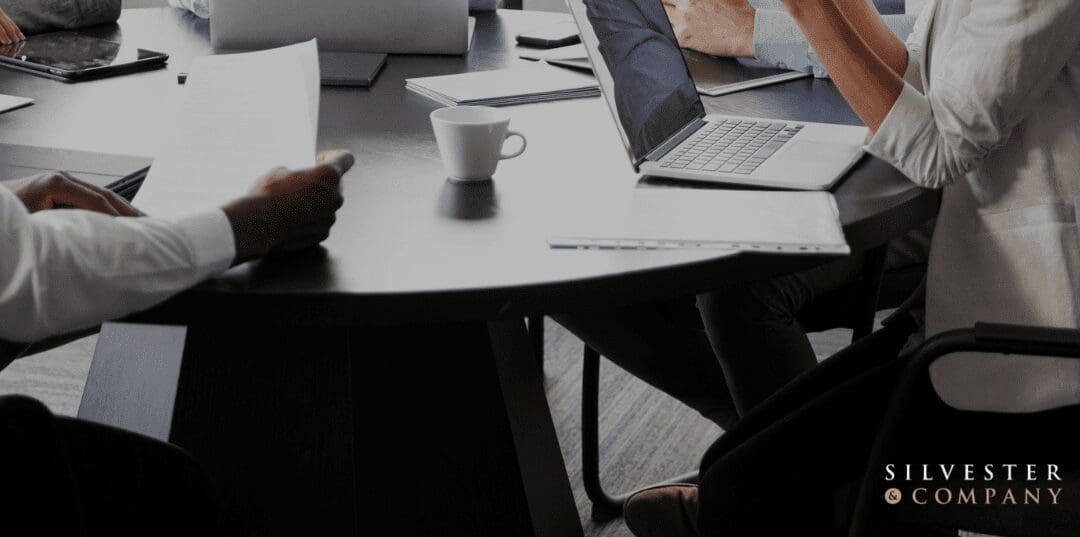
(471,140)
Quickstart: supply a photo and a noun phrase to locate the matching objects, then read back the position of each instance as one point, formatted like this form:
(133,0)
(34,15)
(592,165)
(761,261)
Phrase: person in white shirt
(65,270)
(72,256)
(983,102)
(755,338)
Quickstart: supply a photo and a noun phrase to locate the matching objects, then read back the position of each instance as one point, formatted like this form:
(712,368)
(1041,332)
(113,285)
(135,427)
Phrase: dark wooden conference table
(388,377)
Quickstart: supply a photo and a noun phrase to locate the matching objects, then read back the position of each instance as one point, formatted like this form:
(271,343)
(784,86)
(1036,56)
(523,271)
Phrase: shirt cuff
(779,42)
(210,236)
(898,140)
(483,5)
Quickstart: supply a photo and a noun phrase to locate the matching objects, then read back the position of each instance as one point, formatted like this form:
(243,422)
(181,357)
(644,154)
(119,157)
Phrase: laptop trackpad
(822,152)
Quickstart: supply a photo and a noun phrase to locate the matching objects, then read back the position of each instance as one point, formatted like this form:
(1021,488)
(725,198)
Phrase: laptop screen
(640,68)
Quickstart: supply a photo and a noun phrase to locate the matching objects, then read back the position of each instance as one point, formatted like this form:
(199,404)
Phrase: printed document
(243,116)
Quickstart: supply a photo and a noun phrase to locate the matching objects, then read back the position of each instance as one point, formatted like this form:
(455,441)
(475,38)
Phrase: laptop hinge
(671,143)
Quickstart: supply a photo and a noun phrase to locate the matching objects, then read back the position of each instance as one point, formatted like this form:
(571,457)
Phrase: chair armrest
(983,337)
(1063,342)
(999,339)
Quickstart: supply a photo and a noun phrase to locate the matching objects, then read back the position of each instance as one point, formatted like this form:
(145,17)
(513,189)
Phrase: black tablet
(71,56)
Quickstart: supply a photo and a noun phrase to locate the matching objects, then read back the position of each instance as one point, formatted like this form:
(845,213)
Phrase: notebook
(357,69)
(506,87)
(773,222)
(100,169)
(713,76)
(720,76)
(572,56)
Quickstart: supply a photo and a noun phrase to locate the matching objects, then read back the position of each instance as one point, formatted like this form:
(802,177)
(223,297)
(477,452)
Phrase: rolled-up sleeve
(779,42)
(1002,60)
(66,270)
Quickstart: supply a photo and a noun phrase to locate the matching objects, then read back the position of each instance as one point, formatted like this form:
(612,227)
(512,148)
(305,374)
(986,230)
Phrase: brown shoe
(664,511)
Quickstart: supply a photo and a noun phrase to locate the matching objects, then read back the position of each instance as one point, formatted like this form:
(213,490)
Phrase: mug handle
(524,144)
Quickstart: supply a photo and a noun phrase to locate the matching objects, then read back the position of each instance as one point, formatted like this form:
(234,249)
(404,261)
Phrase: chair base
(606,508)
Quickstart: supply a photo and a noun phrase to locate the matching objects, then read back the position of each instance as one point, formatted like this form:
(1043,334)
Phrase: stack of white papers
(506,87)
(243,115)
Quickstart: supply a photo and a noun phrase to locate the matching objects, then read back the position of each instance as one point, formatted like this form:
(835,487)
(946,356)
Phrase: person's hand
(717,27)
(58,190)
(289,211)
(9,31)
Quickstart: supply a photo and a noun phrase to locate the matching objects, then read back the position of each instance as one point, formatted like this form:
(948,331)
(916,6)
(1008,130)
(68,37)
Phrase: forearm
(778,40)
(36,16)
(871,27)
(869,84)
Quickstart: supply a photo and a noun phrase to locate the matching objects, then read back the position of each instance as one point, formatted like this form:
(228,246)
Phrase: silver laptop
(647,84)
(389,26)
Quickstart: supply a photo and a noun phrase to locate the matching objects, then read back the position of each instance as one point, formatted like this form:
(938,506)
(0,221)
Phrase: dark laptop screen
(644,76)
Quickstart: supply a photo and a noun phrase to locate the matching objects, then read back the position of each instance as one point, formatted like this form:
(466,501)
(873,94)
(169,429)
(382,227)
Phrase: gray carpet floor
(645,436)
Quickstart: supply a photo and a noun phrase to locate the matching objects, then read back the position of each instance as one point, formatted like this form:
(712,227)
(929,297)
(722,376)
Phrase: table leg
(536,333)
(438,429)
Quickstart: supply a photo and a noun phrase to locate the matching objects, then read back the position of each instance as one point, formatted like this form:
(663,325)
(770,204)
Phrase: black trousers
(61,476)
(724,352)
(794,465)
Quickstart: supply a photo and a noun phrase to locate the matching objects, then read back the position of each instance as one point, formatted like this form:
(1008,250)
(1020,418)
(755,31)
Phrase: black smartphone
(556,35)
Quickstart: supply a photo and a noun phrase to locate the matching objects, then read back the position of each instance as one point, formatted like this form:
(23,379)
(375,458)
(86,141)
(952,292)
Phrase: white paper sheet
(11,102)
(782,223)
(244,115)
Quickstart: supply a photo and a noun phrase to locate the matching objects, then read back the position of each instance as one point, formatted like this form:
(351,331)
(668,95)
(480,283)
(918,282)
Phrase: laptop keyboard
(731,146)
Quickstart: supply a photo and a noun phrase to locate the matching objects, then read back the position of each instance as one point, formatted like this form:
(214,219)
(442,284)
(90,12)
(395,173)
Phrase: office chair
(817,316)
(917,418)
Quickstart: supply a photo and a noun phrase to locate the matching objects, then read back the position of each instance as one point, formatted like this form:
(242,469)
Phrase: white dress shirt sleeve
(1002,61)
(200,8)
(65,270)
(778,40)
(914,43)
